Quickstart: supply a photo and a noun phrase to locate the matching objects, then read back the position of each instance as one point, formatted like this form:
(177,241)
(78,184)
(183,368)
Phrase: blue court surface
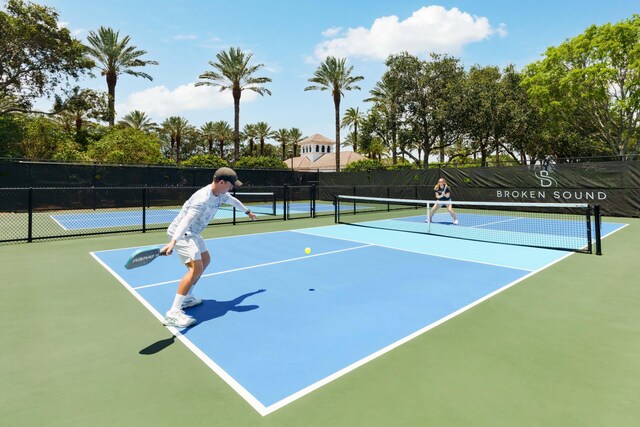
(277,324)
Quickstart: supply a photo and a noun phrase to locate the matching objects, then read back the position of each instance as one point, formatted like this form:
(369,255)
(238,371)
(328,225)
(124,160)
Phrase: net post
(275,204)
(233,193)
(336,205)
(388,203)
(428,219)
(285,202)
(596,217)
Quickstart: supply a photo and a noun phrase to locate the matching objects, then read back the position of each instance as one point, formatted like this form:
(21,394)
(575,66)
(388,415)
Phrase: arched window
(317,148)
(323,148)
(328,149)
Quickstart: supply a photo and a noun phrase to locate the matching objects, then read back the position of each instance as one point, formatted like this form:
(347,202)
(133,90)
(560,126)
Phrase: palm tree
(222,133)
(263,130)
(138,120)
(114,57)
(176,127)
(295,135)
(333,75)
(207,130)
(282,136)
(353,118)
(385,99)
(82,104)
(233,72)
(249,133)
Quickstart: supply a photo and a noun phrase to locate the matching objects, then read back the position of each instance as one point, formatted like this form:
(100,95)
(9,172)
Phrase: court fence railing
(46,213)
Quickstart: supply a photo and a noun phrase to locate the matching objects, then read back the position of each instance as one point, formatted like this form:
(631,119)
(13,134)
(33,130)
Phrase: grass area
(558,349)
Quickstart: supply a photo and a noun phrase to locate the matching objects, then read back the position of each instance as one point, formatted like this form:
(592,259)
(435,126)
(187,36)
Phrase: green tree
(263,131)
(335,76)
(386,98)
(177,128)
(207,130)
(233,72)
(205,161)
(482,103)
(353,119)
(365,165)
(592,84)
(222,133)
(11,133)
(126,146)
(260,162)
(250,134)
(295,135)
(114,57)
(36,55)
(81,105)
(41,138)
(282,136)
(138,120)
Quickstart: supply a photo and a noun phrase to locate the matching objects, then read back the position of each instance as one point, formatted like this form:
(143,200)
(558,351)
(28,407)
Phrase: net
(562,226)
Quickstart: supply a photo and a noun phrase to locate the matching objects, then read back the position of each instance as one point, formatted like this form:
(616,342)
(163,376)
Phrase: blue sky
(291,37)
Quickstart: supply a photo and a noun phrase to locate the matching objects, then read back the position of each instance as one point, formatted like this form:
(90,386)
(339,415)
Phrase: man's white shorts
(190,248)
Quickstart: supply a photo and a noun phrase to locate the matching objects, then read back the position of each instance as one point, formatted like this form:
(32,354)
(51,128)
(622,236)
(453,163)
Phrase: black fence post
(313,200)
(144,209)
(30,223)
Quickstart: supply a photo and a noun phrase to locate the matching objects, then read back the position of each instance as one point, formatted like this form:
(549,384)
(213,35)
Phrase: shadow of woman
(208,310)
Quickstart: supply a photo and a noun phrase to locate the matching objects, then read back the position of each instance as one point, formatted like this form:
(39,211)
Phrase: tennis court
(374,327)
(307,324)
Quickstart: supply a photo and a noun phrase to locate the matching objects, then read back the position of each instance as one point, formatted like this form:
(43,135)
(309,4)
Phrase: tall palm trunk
(236,123)
(355,137)
(112,78)
(336,103)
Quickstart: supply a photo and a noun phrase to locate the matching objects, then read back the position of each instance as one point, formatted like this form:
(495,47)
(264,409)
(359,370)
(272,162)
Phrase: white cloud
(429,29)
(331,32)
(161,102)
(502,30)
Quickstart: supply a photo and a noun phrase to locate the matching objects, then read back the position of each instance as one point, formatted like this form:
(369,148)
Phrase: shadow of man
(209,309)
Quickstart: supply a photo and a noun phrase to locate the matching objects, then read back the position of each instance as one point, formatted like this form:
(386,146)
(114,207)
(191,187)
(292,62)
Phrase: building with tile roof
(317,153)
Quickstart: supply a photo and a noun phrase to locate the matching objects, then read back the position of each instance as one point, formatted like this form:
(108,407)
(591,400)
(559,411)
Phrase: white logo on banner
(545,179)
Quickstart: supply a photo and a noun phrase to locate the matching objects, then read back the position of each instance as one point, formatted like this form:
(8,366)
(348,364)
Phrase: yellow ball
(307,251)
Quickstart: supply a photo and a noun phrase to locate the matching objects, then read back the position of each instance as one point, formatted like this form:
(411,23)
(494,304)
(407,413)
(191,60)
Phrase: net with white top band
(565,226)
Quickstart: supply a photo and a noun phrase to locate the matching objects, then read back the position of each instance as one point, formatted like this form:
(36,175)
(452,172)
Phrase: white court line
(257,266)
(255,403)
(496,222)
(58,222)
(416,252)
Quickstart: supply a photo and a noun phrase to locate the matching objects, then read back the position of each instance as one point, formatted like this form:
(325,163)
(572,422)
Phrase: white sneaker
(191,301)
(428,220)
(178,319)
(455,222)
